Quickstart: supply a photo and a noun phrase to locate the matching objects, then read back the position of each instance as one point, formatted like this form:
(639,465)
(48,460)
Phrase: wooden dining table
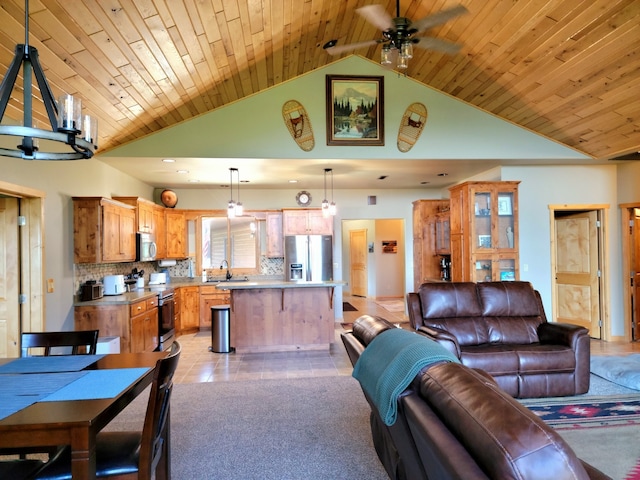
(76,422)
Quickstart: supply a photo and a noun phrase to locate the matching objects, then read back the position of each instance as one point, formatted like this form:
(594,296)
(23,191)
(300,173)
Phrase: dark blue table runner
(51,364)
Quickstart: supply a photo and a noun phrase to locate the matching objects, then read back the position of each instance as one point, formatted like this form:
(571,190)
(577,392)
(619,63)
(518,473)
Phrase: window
(235,240)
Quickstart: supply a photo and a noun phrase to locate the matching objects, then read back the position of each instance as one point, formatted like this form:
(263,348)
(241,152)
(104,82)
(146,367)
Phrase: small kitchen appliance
(91,290)
(113,284)
(145,247)
(157,278)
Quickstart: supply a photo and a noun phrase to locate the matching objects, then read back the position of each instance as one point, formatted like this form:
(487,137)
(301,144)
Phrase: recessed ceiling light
(443,174)
(194,180)
(293,181)
(168,160)
(182,171)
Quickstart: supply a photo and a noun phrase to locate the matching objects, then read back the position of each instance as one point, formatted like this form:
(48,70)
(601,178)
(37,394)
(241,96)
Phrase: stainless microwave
(145,247)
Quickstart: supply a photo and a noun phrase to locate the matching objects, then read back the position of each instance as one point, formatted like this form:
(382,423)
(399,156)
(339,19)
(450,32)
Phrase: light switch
(50,285)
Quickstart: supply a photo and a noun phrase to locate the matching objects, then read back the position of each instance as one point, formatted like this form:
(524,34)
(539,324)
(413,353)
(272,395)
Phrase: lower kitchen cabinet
(209,297)
(189,309)
(136,324)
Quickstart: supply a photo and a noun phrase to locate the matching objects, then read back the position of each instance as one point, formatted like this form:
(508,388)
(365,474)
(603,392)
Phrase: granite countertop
(151,290)
(246,285)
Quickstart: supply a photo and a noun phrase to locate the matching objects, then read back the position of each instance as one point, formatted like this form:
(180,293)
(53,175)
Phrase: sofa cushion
(506,439)
(499,359)
(449,300)
(508,299)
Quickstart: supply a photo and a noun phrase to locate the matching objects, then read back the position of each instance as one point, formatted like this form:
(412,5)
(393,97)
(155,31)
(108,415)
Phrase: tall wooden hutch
(484,231)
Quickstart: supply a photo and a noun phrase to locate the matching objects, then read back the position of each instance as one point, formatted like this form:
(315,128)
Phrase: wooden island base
(281,319)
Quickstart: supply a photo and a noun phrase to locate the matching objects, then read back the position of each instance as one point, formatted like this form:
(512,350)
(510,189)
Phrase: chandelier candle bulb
(90,129)
(70,113)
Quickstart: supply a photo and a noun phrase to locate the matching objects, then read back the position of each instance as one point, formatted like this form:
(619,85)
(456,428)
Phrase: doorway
(630,214)
(22,253)
(577,246)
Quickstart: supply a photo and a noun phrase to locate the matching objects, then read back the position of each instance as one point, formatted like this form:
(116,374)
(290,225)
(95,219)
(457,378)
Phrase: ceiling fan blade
(439,18)
(352,46)
(438,45)
(376,15)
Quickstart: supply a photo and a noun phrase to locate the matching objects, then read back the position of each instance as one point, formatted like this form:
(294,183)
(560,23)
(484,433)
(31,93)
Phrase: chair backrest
(155,430)
(48,340)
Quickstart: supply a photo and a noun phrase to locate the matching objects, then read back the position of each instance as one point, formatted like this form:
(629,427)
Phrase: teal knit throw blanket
(389,364)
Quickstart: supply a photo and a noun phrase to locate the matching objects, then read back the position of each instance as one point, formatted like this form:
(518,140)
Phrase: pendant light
(239,207)
(231,206)
(68,125)
(328,209)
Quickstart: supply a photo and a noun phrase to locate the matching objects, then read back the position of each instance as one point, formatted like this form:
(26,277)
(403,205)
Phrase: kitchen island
(279,316)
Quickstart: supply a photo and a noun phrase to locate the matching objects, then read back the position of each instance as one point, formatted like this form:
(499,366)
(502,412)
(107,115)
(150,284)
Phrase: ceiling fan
(399,34)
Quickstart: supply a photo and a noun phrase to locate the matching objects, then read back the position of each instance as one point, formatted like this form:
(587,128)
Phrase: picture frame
(389,246)
(504,205)
(355,110)
(484,241)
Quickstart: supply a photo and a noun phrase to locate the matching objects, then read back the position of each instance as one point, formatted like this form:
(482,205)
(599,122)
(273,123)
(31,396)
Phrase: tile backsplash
(84,272)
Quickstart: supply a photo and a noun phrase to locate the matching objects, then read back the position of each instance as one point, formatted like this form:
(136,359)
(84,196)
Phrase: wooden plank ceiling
(567,69)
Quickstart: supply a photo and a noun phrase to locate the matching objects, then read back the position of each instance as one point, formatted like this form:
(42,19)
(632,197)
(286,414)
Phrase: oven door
(166,317)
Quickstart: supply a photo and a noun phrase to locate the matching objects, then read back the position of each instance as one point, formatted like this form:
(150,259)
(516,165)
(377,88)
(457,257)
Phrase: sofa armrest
(561,334)
(443,337)
(415,310)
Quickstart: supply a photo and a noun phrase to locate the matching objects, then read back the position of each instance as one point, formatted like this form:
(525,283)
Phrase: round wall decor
(303,198)
(169,198)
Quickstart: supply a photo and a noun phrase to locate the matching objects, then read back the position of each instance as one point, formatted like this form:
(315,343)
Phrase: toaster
(91,291)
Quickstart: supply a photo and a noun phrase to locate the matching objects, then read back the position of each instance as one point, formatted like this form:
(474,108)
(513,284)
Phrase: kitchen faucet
(226,264)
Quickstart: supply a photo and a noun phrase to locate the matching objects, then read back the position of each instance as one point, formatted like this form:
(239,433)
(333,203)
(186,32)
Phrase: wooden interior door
(635,273)
(358,256)
(577,270)
(9,278)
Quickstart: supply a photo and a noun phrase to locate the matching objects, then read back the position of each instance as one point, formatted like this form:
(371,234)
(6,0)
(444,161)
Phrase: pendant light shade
(234,209)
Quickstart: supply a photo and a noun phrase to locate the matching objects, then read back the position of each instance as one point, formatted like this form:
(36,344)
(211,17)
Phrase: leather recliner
(455,422)
(501,328)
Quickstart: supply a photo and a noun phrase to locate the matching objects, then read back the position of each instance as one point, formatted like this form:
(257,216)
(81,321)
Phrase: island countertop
(247,285)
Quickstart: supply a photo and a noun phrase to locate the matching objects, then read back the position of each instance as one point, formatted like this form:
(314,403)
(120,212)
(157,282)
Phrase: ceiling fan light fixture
(386,55)
(403,62)
(406,50)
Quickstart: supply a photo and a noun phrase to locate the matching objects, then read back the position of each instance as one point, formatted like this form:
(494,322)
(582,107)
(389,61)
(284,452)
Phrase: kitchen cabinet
(160,231)
(136,323)
(484,231)
(306,222)
(189,309)
(430,217)
(275,240)
(144,212)
(104,231)
(175,234)
(210,296)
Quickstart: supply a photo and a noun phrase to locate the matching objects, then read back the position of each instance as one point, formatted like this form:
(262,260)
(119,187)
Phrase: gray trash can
(220,329)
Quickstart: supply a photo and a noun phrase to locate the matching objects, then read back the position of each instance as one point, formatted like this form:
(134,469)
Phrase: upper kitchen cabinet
(275,242)
(306,222)
(175,234)
(104,230)
(144,212)
(484,231)
(160,231)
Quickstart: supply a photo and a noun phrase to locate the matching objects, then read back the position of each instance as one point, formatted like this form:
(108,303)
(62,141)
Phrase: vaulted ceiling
(567,69)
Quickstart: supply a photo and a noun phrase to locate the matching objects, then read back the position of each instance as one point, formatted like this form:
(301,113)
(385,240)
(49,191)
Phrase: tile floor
(198,364)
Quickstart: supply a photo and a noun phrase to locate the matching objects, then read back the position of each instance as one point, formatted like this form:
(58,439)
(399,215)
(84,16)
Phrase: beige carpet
(391,305)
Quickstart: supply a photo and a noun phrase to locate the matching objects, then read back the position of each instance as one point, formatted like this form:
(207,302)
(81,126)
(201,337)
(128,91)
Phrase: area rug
(347,307)
(602,430)
(301,428)
(622,370)
(391,305)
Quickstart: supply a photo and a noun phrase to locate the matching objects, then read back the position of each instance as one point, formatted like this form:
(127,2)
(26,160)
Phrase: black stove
(166,315)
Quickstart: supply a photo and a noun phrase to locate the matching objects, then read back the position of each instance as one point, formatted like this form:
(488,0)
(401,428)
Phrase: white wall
(575,185)
(61,181)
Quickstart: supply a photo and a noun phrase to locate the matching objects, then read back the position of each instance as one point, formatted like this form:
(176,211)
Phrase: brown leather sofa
(501,328)
(454,422)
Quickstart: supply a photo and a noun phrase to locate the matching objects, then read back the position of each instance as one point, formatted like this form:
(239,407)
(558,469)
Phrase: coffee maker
(445,268)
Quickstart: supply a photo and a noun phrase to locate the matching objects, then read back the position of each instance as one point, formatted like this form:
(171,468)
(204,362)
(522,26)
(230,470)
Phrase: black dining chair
(131,455)
(76,340)
(20,469)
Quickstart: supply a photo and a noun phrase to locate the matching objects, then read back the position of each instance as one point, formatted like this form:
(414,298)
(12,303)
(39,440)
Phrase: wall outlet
(50,287)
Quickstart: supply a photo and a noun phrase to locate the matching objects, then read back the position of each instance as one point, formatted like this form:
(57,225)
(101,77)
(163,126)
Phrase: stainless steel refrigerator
(308,258)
